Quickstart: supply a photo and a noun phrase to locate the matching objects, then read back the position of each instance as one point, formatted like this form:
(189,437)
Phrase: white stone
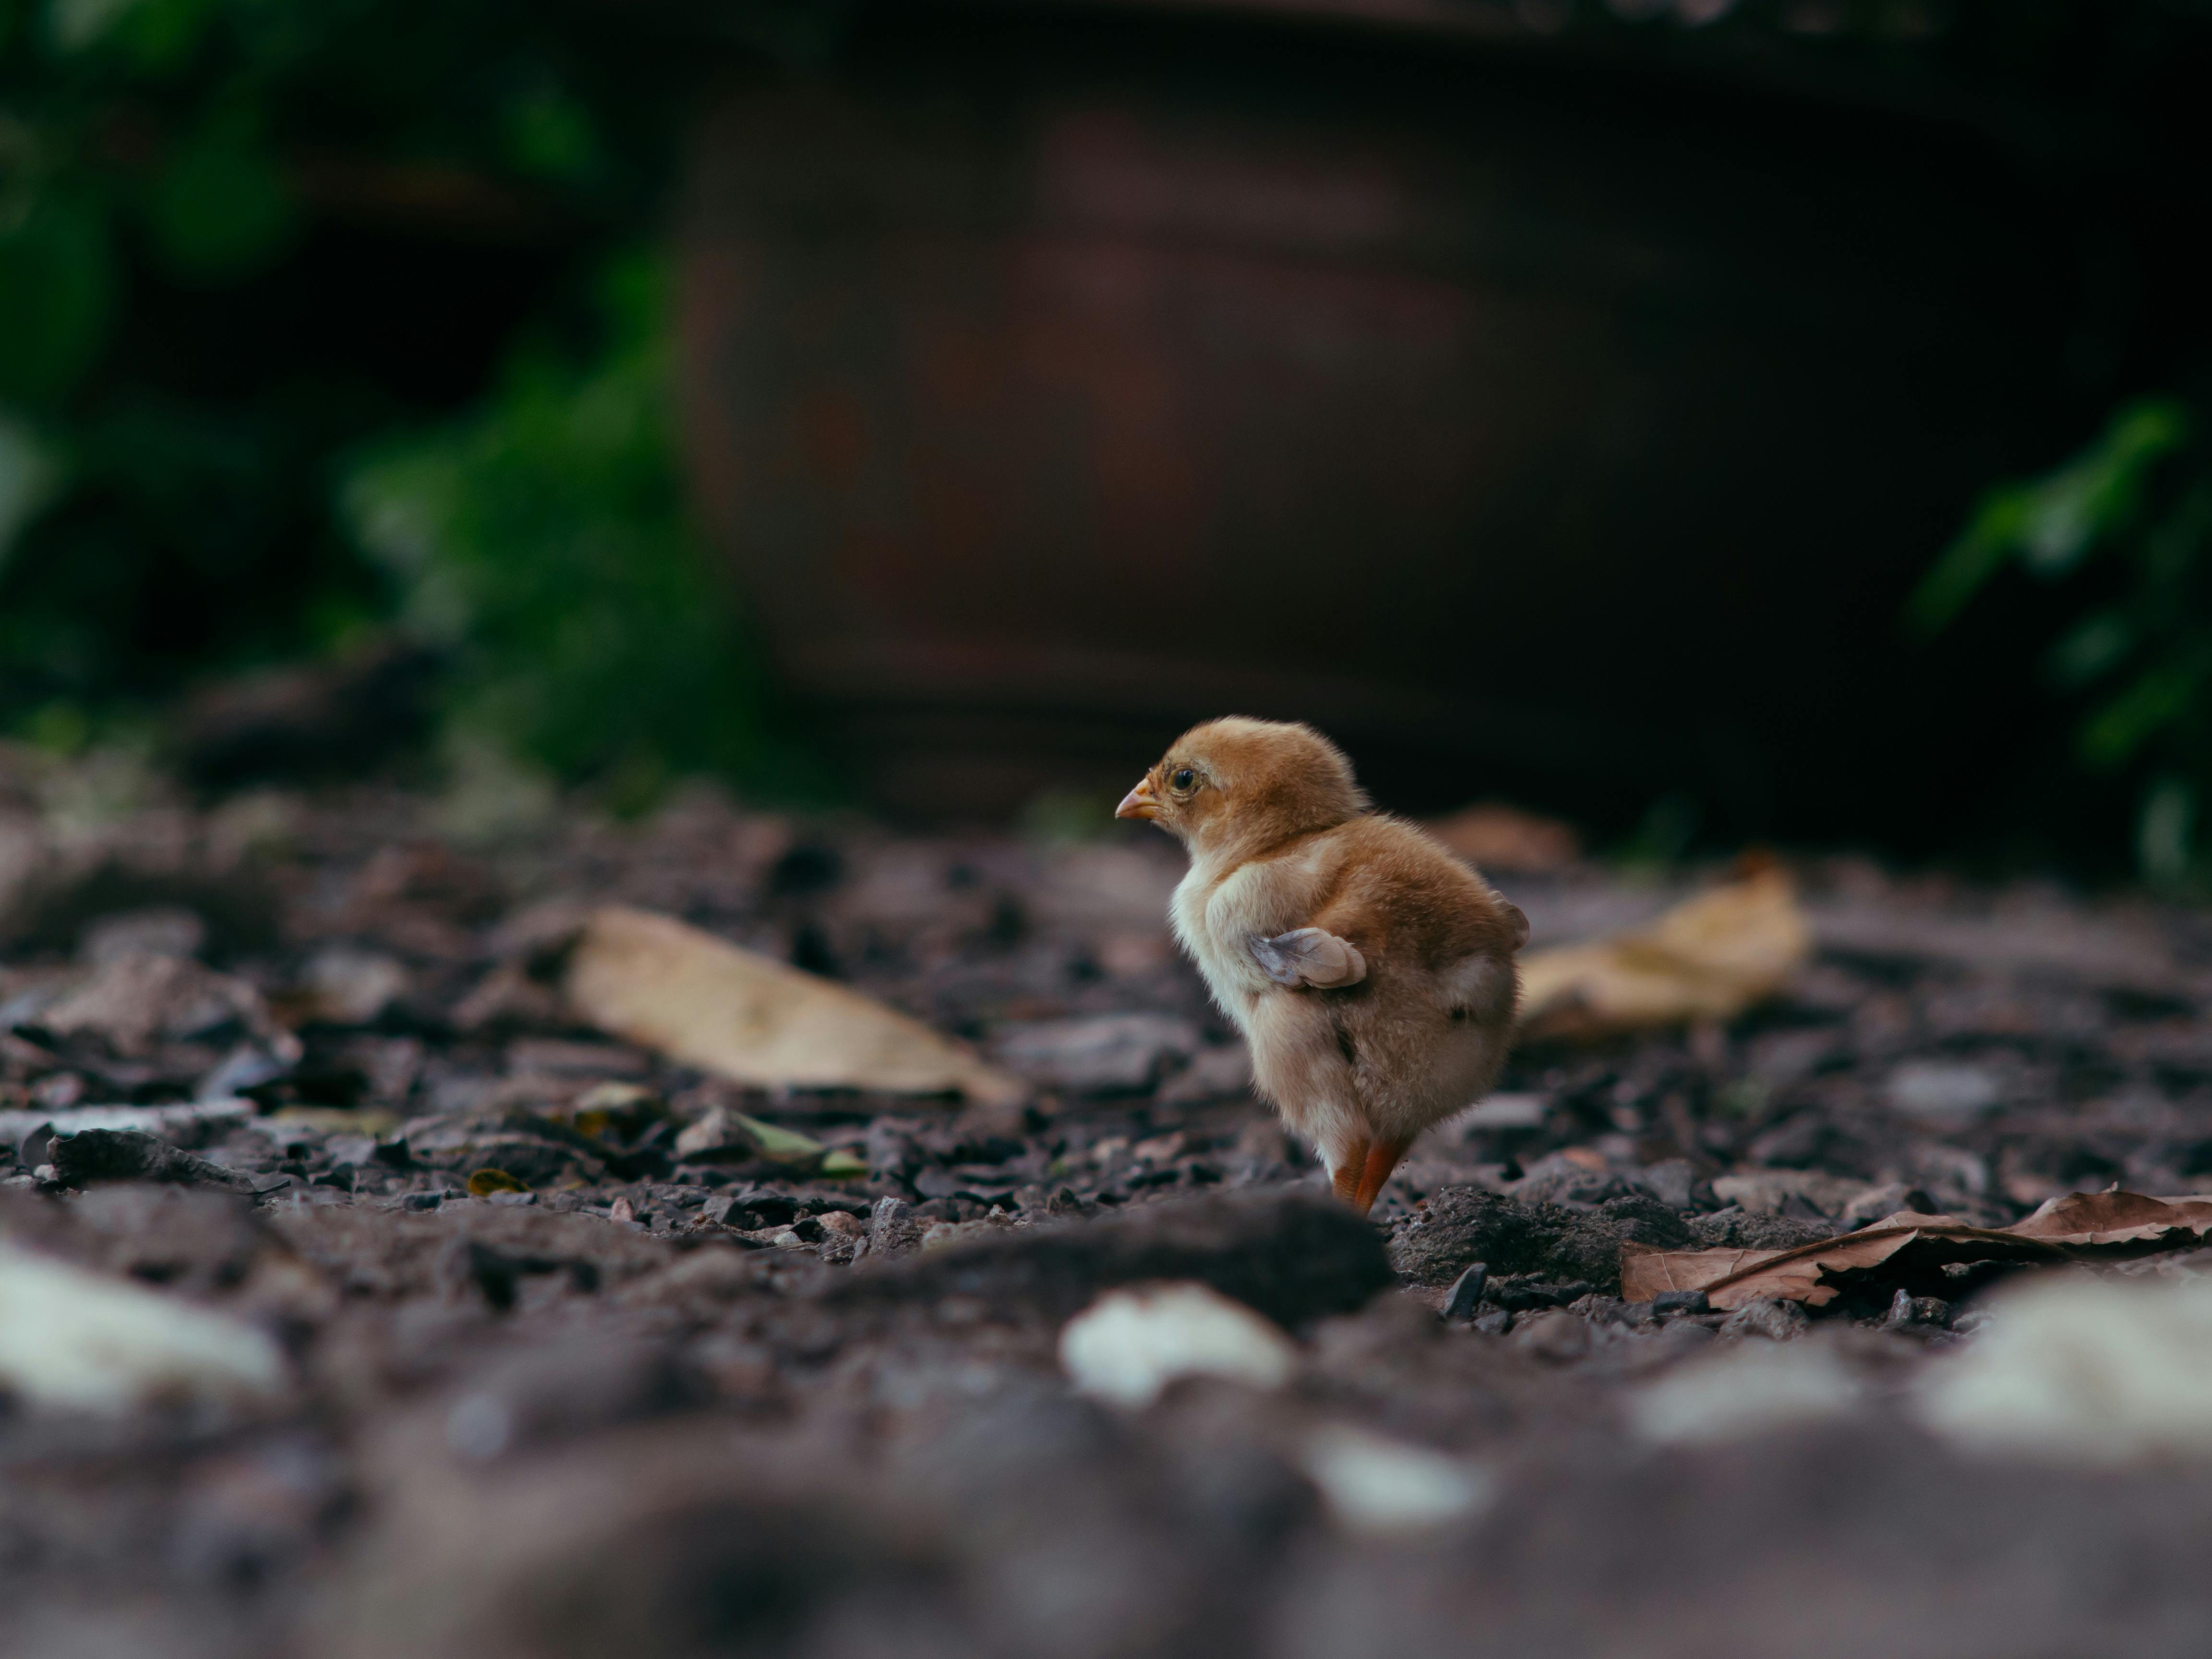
(1130,1343)
(2076,1370)
(1747,1390)
(352,986)
(75,1339)
(1943,1092)
(1373,1484)
(1101,1054)
(1504,1112)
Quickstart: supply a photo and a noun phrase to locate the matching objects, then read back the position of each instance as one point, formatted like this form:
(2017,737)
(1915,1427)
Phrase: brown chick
(1370,970)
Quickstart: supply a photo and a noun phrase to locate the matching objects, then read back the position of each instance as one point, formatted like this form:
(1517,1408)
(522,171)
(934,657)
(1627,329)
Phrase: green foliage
(218,207)
(545,542)
(169,507)
(2137,502)
(56,291)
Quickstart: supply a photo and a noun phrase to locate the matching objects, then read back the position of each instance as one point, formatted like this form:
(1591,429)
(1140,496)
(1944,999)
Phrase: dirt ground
(654,1404)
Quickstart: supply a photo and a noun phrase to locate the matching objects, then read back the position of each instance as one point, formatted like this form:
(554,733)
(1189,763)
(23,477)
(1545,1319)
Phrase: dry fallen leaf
(1710,958)
(652,981)
(2077,1224)
(724,1133)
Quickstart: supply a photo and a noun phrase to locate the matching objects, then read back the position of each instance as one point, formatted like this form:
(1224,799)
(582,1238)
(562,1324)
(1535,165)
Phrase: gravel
(731,1405)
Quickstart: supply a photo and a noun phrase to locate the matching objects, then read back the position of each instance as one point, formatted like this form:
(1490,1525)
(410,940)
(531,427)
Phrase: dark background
(1558,402)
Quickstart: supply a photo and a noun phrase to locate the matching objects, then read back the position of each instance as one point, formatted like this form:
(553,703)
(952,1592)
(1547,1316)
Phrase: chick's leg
(1382,1158)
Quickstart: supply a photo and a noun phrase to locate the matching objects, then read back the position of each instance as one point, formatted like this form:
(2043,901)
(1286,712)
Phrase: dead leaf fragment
(1710,958)
(2115,1217)
(484,1183)
(652,981)
(2079,1223)
(725,1134)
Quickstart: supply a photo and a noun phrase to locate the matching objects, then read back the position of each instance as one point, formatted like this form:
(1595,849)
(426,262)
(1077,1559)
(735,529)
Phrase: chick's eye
(1184,779)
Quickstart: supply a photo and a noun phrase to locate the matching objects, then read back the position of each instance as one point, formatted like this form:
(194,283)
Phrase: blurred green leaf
(2116,732)
(75,25)
(160,35)
(30,476)
(2098,493)
(219,208)
(2166,829)
(2093,648)
(59,728)
(2052,524)
(57,289)
(2142,495)
(1969,562)
(547,540)
(551,134)
(196,527)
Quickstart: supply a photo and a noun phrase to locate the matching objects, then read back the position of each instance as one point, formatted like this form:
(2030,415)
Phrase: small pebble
(1465,1299)
(1777,1321)
(1553,1334)
(1921,1314)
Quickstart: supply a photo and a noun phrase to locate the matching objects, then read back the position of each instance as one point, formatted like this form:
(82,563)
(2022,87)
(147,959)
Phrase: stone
(1744,1391)
(1130,1343)
(1222,1074)
(717,1209)
(97,1155)
(1943,1094)
(1463,1301)
(1526,1292)
(137,1001)
(1777,1321)
(1377,1485)
(1554,1334)
(164,930)
(1908,1312)
(1105,1054)
(77,1341)
(892,1230)
(343,985)
(1669,1182)
(1502,1111)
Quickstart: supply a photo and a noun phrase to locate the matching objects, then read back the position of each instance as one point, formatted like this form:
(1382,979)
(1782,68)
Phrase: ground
(657,1404)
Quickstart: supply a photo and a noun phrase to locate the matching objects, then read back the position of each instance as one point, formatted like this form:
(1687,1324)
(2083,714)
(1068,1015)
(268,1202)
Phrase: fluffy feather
(1370,970)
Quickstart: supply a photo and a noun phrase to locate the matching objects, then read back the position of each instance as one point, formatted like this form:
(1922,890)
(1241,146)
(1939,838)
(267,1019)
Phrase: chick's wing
(1310,957)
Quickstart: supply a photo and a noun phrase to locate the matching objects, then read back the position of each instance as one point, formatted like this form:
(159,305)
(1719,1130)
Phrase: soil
(625,1402)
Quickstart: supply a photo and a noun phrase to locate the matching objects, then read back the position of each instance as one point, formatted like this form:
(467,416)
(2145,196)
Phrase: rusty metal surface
(1052,386)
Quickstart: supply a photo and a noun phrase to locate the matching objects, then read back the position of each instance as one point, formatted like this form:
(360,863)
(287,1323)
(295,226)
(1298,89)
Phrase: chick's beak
(1140,803)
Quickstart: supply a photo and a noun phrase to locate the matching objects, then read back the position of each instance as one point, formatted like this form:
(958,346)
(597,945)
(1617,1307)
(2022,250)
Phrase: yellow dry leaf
(1710,958)
(652,981)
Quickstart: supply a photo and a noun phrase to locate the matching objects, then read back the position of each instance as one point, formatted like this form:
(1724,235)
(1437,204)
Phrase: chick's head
(1247,784)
